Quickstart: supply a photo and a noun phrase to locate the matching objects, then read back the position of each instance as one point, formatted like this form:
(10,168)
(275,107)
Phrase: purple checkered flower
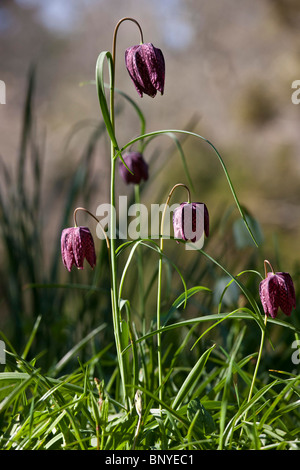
(277,291)
(138,166)
(187,221)
(146,67)
(77,244)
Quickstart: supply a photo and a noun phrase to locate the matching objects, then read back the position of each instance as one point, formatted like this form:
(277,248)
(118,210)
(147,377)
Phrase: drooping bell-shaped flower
(146,67)
(277,291)
(190,220)
(136,163)
(77,244)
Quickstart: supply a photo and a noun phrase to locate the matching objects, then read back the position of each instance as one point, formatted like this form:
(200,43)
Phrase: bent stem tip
(266,262)
(94,217)
(167,202)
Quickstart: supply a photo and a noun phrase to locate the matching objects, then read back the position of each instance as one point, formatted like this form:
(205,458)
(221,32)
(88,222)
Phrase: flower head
(146,67)
(277,291)
(76,244)
(189,221)
(138,166)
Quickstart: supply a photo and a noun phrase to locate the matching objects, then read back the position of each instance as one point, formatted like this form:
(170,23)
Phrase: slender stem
(158,311)
(139,409)
(159,361)
(140,265)
(114,295)
(263,334)
(137,431)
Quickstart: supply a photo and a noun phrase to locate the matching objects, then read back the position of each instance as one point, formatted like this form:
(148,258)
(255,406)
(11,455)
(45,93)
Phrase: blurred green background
(229,70)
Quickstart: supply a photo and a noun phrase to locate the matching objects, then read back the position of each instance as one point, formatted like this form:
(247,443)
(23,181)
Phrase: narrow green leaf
(191,379)
(101,92)
(77,347)
(17,390)
(32,336)
(190,292)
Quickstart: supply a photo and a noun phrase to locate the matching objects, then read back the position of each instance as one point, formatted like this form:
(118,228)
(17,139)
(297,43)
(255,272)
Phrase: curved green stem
(126,18)
(179,131)
(94,217)
(262,340)
(266,268)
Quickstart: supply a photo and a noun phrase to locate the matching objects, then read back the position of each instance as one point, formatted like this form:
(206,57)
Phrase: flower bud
(191,219)
(277,291)
(138,402)
(146,67)
(77,244)
(138,166)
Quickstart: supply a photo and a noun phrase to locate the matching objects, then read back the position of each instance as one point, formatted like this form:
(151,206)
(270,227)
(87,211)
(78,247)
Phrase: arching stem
(266,262)
(166,205)
(94,217)
(114,296)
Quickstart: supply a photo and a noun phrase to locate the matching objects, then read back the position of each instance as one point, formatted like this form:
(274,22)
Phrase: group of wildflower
(146,67)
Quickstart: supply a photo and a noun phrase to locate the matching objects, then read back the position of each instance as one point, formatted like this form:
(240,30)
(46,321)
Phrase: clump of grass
(32,282)
(205,411)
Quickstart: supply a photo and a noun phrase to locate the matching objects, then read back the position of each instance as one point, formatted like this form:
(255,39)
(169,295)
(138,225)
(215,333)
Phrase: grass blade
(191,379)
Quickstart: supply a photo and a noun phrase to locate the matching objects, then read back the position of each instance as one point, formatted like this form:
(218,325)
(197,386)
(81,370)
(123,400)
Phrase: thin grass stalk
(262,340)
(140,267)
(159,285)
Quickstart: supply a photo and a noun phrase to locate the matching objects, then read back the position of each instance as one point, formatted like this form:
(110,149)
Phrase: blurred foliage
(32,281)
(287,11)
(257,106)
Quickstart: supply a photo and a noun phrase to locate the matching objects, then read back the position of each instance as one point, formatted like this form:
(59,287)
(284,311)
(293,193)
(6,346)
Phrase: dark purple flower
(76,244)
(277,291)
(138,166)
(146,67)
(189,221)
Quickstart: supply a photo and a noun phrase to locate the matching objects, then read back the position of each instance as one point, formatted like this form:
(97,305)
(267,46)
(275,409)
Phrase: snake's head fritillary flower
(277,291)
(146,67)
(136,163)
(190,220)
(77,244)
